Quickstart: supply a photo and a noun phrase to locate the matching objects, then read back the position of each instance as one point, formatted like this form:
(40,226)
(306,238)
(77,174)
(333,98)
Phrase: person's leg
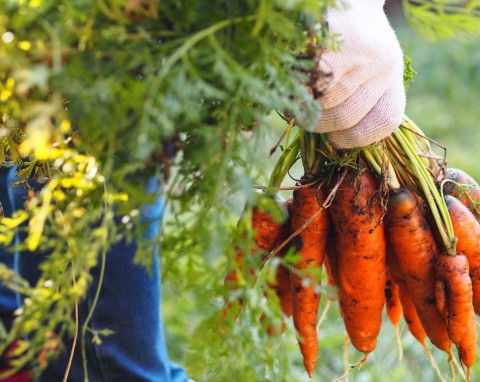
(26,263)
(8,299)
(129,305)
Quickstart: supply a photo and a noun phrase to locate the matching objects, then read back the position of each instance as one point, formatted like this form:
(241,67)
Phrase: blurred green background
(444,97)
(444,101)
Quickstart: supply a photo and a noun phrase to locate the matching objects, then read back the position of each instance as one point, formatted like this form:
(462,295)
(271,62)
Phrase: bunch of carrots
(392,226)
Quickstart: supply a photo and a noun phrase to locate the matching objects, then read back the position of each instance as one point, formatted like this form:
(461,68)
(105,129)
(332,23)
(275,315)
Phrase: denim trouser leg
(8,298)
(129,305)
(26,264)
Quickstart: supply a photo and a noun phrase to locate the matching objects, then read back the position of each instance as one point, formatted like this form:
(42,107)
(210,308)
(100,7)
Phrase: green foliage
(99,96)
(442,100)
(440,19)
(408,72)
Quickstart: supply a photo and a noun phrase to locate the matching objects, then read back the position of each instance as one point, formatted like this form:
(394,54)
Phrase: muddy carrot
(467,231)
(393,305)
(414,250)
(331,268)
(268,231)
(361,249)
(452,272)
(307,212)
(467,347)
(411,318)
(469,195)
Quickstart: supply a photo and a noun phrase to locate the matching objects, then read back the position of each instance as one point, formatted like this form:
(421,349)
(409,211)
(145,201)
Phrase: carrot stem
(311,158)
(434,192)
(435,202)
(284,164)
(382,165)
(372,161)
(286,133)
(399,166)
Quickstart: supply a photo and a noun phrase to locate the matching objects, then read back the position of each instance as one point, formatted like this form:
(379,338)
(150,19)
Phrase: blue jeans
(8,299)
(129,305)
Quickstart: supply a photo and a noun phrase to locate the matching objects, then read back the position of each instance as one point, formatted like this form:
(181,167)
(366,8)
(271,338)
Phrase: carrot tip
(310,369)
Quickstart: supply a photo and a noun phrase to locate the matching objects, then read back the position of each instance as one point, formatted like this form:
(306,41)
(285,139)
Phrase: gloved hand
(361,85)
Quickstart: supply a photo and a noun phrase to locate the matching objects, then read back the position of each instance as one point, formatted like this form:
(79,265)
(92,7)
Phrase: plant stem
(382,165)
(435,202)
(440,201)
(284,164)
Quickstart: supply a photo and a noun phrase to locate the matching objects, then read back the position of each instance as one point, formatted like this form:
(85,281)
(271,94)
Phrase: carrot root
(434,364)
(399,343)
(459,368)
(452,369)
(349,368)
(324,314)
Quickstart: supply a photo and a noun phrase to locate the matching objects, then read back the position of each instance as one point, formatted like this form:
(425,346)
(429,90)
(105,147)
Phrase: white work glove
(361,89)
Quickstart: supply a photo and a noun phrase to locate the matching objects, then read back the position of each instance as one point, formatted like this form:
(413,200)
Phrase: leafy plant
(99,96)
(439,19)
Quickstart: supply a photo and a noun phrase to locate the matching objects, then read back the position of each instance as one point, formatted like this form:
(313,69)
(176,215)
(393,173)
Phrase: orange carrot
(360,245)
(469,196)
(268,232)
(331,287)
(413,322)
(452,272)
(310,245)
(467,347)
(283,285)
(331,268)
(414,250)
(408,308)
(394,309)
(283,288)
(393,304)
(467,230)
(441,298)
(411,317)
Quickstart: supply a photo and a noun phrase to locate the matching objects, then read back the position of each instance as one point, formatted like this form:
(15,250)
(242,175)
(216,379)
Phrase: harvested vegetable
(310,244)
(467,348)
(408,232)
(377,220)
(268,233)
(452,277)
(462,186)
(467,230)
(360,242)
